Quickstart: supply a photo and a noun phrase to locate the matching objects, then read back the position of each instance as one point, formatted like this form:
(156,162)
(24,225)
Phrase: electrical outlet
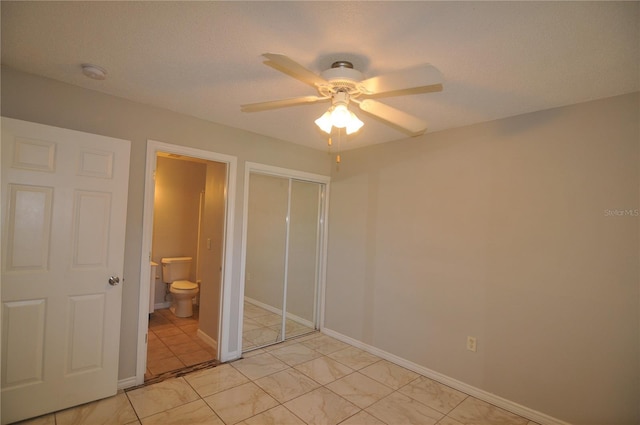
(471,343)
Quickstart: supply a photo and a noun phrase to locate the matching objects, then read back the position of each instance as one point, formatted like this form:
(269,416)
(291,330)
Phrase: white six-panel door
(64,199)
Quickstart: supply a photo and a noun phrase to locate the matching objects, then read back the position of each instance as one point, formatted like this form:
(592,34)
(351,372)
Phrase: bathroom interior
(188,229)
(283,248)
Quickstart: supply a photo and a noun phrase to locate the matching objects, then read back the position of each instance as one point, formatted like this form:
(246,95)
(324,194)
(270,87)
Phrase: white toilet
(175,271)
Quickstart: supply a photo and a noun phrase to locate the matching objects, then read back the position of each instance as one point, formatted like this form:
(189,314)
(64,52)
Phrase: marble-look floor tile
(49,419)
(287,384)
(167,332)
(158,350)
(399,409)
(196,357)
(261,336)
(196,412)
(279,415)
(185,348)
(240,402)
(256,367)
(323,370)
(477,412)
(448,421)
(354,357)
(294,354)
(250,324)
(433,394)
(116,409)
(362,418)
(280,345)
(325,344)
(191,329)
(158,366)
(163,396)
(389,374)
(211,381)
(251,311)
(292,328)
(322,407)
(309,337)
(173,340)
(269,319)
(359,389)
(253,353)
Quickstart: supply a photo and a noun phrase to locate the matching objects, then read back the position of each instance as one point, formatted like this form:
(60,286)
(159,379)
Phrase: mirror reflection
(282,256)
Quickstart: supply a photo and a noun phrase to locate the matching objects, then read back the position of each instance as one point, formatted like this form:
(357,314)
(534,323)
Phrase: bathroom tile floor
(314,379)
(173,343)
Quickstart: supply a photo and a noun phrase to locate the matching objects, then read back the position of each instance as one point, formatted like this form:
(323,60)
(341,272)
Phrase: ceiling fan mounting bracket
(341,77)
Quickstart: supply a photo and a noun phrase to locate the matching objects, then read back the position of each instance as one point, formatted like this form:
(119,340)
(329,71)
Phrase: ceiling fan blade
(290,67)
(420,79)
(397,118)
(273,104)
(414,90)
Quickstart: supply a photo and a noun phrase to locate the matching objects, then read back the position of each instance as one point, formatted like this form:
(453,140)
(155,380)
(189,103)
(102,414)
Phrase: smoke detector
(94,71)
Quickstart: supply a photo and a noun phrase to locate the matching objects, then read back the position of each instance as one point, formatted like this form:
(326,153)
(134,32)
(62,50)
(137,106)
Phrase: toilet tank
(175,268)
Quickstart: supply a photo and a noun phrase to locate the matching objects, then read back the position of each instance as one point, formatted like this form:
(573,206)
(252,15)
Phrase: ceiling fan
(342,85)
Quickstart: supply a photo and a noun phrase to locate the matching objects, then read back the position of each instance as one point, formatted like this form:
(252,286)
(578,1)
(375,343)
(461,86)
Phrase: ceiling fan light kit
(342,84)
(339,116)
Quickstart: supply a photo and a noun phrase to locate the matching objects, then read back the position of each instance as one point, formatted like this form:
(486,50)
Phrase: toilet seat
(184,285)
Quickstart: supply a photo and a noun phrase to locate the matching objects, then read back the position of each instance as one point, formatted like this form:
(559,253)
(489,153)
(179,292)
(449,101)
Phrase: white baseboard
(127,383)
(160,306)
(503,403)
(278,311)
(206,338)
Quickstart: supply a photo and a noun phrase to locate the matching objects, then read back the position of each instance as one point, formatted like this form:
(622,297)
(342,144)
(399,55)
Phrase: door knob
(114,280)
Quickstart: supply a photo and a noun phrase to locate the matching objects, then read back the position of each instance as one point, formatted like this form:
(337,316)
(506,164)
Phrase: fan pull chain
(338,159)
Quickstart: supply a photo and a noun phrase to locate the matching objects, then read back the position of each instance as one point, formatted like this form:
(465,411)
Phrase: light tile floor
(261,327)
(174,343)
(314,379)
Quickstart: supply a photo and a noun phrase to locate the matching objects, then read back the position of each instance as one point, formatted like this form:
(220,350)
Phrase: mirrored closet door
(282,259)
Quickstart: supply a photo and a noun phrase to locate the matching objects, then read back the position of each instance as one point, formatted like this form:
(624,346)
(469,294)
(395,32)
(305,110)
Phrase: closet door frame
(254,167)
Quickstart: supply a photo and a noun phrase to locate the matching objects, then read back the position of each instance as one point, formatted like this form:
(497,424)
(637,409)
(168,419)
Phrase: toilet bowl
(175,272)
(183,293)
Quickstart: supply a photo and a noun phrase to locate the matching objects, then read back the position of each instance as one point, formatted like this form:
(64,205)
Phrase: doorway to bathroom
(284,255)
(186,219)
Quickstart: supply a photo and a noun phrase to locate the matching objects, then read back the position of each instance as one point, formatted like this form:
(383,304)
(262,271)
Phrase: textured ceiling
(204,58)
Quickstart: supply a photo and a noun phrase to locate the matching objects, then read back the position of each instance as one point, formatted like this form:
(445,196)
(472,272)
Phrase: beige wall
(46,101)
(502,231)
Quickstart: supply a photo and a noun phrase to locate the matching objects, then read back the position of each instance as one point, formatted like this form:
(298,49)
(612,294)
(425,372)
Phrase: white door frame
(153,148)
(324,219)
